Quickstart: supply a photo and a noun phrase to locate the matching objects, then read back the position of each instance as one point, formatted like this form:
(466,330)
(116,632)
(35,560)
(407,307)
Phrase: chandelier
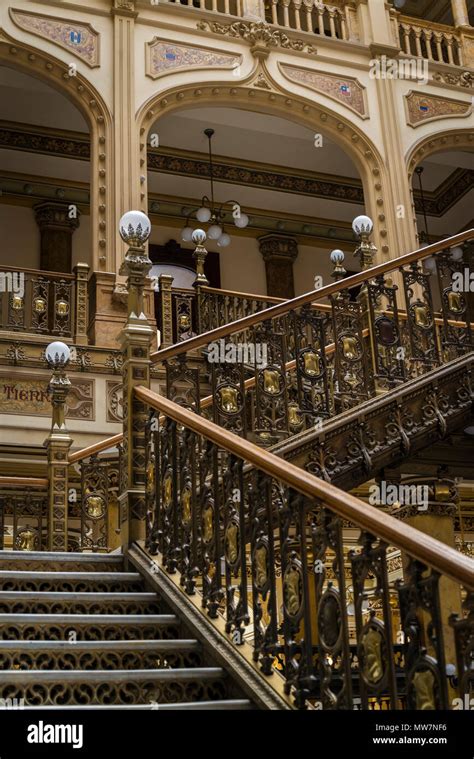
(212,214)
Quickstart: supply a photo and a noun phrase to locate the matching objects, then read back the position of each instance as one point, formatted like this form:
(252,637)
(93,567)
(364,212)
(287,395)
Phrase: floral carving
(78,38)
(257,33)
(165,56)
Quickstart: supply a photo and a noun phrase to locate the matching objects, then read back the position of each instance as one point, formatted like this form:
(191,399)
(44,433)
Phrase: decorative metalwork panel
(420,317)
(23,520)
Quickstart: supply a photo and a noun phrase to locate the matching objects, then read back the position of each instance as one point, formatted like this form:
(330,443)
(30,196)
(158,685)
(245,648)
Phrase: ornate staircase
(262,582)
(79,631)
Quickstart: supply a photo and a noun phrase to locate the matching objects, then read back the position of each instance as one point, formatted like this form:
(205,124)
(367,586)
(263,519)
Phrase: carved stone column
(279,252)
(460,13)
(56,230)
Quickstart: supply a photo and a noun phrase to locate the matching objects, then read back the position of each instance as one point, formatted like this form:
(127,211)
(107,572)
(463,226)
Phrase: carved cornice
(329,186)
(76,145)
(258,33)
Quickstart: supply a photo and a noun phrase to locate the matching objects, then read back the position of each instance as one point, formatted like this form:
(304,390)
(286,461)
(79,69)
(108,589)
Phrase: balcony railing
(44,303)
(434,42)
(308,16)
(290,366)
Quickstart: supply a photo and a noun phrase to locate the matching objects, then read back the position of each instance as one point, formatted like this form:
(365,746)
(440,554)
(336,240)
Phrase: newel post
(57,445)
(136,338)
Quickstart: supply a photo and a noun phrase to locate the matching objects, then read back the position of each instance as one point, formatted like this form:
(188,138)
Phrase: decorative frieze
(257,33)
(422,108)
(163,56)
(28,395)
(345,89)
(78,38)
(456,78)
(114,395)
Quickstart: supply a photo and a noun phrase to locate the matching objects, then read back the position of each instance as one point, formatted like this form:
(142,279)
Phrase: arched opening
(300,191)
(45,178)
(443,190)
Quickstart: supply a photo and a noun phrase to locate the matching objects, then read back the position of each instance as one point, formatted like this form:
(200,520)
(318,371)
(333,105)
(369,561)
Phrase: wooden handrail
(289,305)
(235,293)
(430,551)
(39,272)
(27,482)
(109,442)
(425,24)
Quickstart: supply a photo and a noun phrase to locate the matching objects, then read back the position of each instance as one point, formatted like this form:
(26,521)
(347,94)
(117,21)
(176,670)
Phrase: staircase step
(106,654)
(24,602)
(78,582)
(41,687)
(49,560)
(223,705)
(88,626)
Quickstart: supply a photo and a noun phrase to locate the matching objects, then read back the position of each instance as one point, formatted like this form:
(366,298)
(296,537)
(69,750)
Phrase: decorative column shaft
(279,252)
(81,312)
(166,310)
(126,151)
(56,228)
(460,12)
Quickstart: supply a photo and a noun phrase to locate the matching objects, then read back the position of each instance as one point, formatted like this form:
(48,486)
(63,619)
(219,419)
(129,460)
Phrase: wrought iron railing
(290,366)
(96,519)
(45,303)
(23,513)
(262,542)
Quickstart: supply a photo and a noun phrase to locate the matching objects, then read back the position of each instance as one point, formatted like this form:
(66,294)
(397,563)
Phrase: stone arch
(84,96)
(272,99)
(448,139)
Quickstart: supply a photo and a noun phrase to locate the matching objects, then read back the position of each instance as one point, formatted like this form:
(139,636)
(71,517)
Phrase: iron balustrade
(44,303)
(282,556)
(23,513)
(275,372)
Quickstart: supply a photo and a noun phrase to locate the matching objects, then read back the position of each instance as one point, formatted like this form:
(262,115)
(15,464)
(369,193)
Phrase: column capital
(52,215)
(278,246)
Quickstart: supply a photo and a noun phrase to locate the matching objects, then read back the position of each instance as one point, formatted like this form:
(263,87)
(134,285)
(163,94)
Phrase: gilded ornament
(295,419)
(228,399)
(232,543)
(167,490)
(292,591)
(455,302)
(62,308)
(207,524)
(423,683)
(184,321)
(26,540)
(372,646)
(311,364)
(350,348)
(422,318)
(271,381)
(261,571)
(186,511)
(17,303)
(95,506)
(39,305)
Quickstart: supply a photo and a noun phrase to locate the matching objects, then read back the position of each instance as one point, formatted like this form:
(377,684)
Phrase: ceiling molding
(76,146)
